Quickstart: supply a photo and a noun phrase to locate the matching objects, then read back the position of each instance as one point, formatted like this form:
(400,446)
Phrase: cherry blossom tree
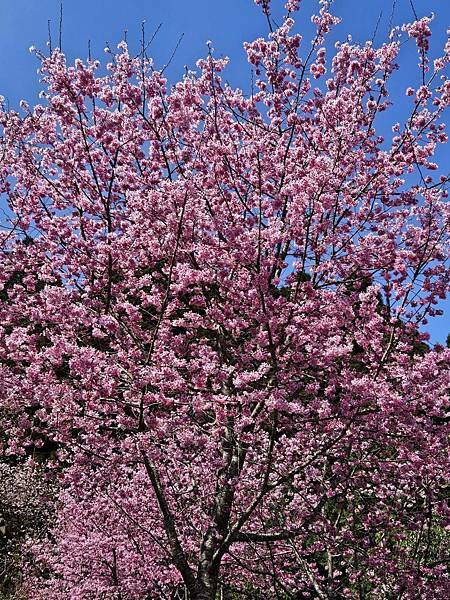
(211,308)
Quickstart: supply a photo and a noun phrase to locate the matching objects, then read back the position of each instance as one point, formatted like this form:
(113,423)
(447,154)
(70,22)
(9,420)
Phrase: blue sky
(228,23)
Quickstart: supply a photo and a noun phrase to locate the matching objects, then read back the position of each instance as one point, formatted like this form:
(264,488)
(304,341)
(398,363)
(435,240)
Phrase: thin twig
(173,53)
(414,10)
(49,31)
(375,31)
(391,18)
(60,25)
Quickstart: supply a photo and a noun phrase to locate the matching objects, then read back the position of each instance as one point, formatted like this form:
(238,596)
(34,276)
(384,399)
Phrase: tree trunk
(201,592)
(202,595)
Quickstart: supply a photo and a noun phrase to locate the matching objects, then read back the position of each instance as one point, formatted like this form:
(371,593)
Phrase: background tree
(25,511)
(217,323)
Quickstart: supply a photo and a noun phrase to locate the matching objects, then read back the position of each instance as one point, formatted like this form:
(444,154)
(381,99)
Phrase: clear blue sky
(228,23)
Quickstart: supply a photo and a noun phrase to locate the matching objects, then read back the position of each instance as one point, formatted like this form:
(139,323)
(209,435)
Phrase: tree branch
(177,551)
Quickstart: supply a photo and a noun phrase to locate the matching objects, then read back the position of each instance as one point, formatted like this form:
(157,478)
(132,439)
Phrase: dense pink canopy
(210,308)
